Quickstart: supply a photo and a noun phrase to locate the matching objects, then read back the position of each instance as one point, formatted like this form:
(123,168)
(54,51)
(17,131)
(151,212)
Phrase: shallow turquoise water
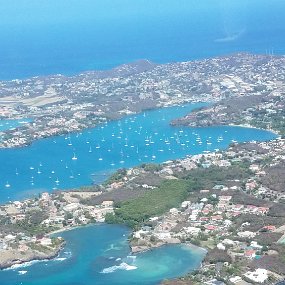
(10,124)
(49,164)
(97,255)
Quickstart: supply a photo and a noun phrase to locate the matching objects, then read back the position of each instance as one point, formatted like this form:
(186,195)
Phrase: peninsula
(58,104)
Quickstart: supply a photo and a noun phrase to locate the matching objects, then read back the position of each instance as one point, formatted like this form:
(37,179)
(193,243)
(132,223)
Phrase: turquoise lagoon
(11,124)
(97,255)
(90,156)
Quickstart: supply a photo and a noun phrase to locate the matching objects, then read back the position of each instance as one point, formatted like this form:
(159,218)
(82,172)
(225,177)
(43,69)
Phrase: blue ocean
(69,36)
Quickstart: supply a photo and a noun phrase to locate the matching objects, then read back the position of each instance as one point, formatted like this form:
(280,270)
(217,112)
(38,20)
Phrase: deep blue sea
(70,36)
(100,255)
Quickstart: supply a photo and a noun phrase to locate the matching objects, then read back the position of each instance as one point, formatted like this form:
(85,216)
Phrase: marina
(89,157)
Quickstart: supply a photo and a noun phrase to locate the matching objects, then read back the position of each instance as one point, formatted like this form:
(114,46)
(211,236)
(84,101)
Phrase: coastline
(17,259)
(253,127)
(19,263)
(121,116)
(159,244)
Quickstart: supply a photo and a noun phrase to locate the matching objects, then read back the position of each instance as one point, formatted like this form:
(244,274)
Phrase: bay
(72,36)
(99,255)
(11,124)
(79,159)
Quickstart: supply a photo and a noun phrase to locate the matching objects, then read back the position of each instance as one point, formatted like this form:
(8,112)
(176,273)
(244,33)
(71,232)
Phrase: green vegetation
(169,194)
(156,202)
(151,167)
(117,176)
(32,223)
(201,178)
(275,121)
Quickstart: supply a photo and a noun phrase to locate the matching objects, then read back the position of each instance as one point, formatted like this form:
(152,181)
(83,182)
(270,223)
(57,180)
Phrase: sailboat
(74,157)
(7,185)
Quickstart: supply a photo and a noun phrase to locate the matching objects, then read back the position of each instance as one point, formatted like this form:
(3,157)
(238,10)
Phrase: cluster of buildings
(209,217)
(26,226)
(212,220)
(59,104)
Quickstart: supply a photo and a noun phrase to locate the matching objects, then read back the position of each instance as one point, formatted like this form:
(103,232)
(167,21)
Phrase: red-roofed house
(210,227)
(250,253)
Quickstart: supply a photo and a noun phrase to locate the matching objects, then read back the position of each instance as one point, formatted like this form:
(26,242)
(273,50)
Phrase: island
(230,202)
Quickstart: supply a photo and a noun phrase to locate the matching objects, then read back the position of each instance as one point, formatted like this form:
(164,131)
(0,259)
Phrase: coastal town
(231,203)
(59,104)
(234,214)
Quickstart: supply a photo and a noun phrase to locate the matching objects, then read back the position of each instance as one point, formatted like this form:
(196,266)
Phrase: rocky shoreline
(11,258)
